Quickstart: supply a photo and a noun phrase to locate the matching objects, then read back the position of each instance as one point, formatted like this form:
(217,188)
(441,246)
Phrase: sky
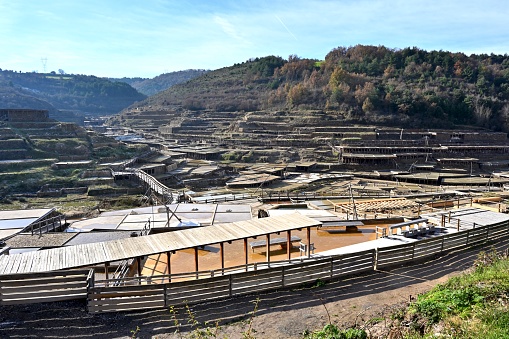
(132,38)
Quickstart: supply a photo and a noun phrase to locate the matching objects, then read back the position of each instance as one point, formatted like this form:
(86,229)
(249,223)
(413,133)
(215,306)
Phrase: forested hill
(373,84)
(161,82)
(78,95)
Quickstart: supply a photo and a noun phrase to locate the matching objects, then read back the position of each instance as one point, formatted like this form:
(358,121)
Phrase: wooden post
(471,200)
(458,225)
(449,217)
(139,268)
(308,237)
(168,264)
(245,253)
(221,253)
(267,249)
(106,273)
(458,202)
(196,261)
(289,244)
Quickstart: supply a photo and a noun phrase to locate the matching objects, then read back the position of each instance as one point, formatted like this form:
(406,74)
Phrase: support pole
(106,267)
(168,263)
(267,249)
(245,253)
(138,266)
(221,253)
(308,237)
(196,261)
(289,244)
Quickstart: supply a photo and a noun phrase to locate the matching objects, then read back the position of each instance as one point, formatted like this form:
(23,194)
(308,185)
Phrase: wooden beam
(106,265)
(221,253)
(267,248)
(308,237)
(196,261)
(138,266)
(289,244)
(168,263)
(245,253)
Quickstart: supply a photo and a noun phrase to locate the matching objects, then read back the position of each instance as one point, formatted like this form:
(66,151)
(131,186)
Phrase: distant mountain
(161,82)
(75,95)
(406,87)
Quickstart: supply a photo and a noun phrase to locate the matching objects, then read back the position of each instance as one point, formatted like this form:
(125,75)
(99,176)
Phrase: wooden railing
(165,290)
(44,287)
(258,278)
(132,293)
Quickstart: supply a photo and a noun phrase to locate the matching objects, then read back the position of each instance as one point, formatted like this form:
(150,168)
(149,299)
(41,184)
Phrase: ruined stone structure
(24,115)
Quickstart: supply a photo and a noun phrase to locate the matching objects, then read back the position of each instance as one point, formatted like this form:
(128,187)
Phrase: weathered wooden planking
(42,283)
(34,300)
(53,290)
(455,240)
(394,254)
(210,290)
(126,305)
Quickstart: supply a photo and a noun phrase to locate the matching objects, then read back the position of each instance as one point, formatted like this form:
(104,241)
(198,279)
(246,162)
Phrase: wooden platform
(274,241)
(85,255)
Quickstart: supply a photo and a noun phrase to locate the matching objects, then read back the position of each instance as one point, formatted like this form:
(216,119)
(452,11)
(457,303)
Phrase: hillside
(361,84)
(76,95)
(161,82)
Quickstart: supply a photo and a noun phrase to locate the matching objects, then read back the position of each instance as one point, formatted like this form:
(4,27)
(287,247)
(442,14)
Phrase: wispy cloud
(130,38)
(227,27)
(282,23)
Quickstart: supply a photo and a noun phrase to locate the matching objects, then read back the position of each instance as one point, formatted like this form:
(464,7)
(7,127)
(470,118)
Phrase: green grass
(473,305)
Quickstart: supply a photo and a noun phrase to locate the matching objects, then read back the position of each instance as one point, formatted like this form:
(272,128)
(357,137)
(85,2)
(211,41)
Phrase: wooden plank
(35,300)
(126,301)
(42,281)
(155,304)
(37,275)
(124,294)
(29,293)
(114,289)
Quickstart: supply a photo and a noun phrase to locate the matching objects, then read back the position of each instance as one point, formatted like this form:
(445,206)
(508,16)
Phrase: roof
(135,219)
(91,254)
(40,240)
(15,221)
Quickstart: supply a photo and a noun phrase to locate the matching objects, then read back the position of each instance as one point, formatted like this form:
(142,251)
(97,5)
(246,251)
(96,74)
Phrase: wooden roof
(95,253)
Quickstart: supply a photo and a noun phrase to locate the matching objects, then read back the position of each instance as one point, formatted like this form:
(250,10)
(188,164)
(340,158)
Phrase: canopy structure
(109,251)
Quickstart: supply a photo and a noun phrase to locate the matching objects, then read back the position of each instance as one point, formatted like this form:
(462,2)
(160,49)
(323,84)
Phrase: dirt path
(279,314)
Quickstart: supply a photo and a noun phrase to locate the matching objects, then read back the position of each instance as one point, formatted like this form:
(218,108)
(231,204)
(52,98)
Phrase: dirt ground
(279,314)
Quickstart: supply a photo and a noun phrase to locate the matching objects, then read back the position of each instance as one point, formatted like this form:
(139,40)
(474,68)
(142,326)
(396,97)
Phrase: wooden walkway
(105,252)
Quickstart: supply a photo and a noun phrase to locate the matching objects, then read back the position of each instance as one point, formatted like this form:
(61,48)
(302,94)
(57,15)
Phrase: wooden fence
(134,293)
(280,274)
(140,292)
(44,287)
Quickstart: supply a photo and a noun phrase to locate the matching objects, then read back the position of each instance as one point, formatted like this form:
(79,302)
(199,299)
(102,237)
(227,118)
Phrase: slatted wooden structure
(44,287)
(131,297)
(284,274)
(105,252)
(375,205)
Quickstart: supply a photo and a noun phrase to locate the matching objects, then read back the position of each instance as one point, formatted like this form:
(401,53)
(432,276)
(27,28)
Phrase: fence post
(283,276)
(230,283)
(375,259)
(165,295)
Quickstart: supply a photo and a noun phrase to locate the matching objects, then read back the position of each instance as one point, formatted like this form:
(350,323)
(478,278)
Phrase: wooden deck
(97,253)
